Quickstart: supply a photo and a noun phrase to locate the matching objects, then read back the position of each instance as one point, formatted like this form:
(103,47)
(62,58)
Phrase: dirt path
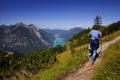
(85,72)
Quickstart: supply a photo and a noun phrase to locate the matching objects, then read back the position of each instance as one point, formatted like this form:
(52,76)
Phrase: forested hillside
(16,66)
(75,56)
(83,38)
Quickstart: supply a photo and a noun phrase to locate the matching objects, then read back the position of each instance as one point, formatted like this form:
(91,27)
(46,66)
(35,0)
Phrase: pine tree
(97,21)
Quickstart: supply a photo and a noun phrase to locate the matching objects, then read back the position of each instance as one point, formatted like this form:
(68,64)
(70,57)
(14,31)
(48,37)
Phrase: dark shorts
(94,44)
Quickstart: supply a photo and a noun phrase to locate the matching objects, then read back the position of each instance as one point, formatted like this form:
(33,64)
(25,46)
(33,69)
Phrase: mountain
(66,34)
(24,38)
(55,31)
(70,33)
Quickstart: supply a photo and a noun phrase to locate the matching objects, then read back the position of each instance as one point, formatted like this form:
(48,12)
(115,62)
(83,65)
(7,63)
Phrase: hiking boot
(90,55)
(90,50)
(92,62)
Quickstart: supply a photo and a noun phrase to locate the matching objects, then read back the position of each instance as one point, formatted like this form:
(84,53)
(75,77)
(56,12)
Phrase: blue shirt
(94,34)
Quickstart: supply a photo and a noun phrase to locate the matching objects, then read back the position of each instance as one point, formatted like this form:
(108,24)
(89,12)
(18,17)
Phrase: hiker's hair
(95,27)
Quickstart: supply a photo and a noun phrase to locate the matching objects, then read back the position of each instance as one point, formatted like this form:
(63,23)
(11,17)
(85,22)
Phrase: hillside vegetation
(14,66)
(82,37)
(66,62)
(53,63)
(109,68)
(75,57)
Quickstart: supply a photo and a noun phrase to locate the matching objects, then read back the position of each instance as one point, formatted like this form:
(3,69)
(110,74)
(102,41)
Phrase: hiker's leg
(96,47)
(96,44)
(93,55)
(91,47)
(90,50)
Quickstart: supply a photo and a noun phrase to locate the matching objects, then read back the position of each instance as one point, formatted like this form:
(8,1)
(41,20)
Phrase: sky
(59,14)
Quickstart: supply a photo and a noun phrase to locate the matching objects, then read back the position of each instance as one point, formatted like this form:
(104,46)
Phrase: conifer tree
(98,21)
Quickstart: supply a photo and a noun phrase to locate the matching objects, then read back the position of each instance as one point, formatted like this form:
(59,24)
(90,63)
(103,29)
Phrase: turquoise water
(59,41)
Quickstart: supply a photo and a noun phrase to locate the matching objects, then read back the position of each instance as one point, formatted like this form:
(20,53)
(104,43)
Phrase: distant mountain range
(24,38)
(55,31)
(70,33)
(66,34)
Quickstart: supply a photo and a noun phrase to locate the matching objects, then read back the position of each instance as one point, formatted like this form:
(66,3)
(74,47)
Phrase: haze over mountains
(65,34)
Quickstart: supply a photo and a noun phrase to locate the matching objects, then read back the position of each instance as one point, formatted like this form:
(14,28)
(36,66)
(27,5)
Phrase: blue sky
(60,14)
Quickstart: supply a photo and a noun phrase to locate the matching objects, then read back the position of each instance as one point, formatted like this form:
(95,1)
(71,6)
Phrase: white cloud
(58,26)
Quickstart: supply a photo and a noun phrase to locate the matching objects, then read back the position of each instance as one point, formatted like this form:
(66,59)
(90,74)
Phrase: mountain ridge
(66,34)
(24,38)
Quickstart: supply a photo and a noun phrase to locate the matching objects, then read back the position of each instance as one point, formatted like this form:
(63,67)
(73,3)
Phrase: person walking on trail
(95,34)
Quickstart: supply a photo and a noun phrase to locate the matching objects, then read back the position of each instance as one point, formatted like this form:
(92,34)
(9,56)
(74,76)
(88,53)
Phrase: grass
(110,36)
(109,68)
(66,62)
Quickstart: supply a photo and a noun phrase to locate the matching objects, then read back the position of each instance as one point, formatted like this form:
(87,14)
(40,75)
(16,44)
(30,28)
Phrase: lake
(59,41)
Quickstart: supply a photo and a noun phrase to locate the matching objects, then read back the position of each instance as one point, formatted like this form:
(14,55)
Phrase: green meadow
(68,62)
(109,68)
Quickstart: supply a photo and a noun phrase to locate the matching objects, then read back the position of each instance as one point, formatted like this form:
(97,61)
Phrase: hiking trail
(86,71)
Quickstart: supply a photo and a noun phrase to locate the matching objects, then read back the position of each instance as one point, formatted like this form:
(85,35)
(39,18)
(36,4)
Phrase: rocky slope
(24,38)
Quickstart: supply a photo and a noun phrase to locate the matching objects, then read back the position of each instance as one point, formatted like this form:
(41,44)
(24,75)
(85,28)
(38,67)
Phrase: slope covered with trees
(83,38)
(75,55)
(16,66)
